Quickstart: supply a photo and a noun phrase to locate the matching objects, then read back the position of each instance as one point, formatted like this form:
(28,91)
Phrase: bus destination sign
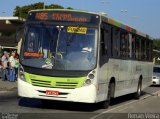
(59,17)
(63,16)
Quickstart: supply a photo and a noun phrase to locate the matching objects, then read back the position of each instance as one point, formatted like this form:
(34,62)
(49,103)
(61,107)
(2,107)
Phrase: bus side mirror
(19,33)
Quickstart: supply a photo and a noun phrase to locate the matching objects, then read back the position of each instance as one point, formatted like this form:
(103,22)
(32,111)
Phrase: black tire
(106,103)
(139,90)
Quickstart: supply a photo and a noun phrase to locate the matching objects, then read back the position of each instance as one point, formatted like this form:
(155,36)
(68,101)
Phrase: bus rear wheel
(139,90)
(106,103)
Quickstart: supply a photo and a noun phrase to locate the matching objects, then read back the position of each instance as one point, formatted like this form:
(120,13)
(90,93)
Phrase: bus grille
(66,84)
(36,82)
(42,83)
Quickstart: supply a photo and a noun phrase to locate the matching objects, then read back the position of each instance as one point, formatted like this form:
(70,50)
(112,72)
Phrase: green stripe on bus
(116,23)
(54,82)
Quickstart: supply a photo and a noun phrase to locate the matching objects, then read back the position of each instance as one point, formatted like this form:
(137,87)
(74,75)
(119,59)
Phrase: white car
(156,75)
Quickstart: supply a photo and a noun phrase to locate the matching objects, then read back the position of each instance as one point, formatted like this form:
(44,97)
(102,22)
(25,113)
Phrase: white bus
(78,56)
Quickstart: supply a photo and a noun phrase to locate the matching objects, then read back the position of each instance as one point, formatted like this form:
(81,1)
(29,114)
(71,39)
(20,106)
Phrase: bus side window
(124,45)
(150,50)
(103,47)
(143,49)
(105,43)
(138,48)
(133,46)
(116,42)
(147,50)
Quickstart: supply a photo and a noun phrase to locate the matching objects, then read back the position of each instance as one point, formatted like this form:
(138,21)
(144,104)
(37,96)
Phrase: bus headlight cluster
(21,73)
(90,78)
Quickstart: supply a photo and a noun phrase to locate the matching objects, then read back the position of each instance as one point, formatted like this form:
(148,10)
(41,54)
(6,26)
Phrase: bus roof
(107,19)
(126,27)
(82,11)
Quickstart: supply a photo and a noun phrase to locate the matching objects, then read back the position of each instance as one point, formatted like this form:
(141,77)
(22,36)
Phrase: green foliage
(70,8)
(156,46)
(23,11)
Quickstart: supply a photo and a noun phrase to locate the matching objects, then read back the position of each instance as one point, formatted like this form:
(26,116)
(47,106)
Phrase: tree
(23,11)
(156,51)
(156,44)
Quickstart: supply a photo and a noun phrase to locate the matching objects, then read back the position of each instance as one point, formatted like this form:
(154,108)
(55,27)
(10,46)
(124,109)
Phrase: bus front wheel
(106,103)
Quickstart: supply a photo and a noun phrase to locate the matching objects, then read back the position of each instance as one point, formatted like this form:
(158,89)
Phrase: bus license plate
(51,92)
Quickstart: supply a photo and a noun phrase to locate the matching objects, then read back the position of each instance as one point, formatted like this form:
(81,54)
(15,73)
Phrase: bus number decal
(42,16)
(79,30)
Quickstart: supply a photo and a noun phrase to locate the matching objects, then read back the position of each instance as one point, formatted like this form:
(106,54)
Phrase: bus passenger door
(104,55)
(125,69)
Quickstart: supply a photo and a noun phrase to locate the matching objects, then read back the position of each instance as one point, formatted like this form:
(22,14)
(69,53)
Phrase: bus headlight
(21,73)
(90,79)
(91,76)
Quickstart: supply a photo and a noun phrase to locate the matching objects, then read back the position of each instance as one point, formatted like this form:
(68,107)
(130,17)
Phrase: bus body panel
(85,94)
(126,73)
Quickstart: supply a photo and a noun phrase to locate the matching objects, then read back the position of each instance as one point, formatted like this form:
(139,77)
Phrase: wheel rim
(139,90)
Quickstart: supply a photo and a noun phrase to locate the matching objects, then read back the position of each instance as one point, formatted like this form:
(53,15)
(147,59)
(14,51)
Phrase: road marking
(149,95)
(145,97)
(121,106)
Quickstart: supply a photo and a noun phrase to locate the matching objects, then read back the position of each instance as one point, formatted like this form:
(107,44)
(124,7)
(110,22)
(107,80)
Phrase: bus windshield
(60,47)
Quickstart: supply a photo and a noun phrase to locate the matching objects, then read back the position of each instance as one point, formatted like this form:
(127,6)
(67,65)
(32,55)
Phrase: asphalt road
(26,108)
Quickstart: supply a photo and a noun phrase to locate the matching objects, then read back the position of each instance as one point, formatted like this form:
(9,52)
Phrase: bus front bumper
(86,94)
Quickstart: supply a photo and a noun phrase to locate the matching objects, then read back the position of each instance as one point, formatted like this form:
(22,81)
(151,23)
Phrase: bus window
(150,50)
(33,37)
(103,48)
(143,49)
(133,47)
(116,41)
(124,47)
(130,45)
(138,48)
(106,40)
(147,50)
(105,43)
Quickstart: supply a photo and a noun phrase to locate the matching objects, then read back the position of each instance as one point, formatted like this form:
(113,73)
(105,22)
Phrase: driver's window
(32,42)
(105,43)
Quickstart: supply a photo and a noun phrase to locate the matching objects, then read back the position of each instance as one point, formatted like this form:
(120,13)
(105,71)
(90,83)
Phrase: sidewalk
(8,86)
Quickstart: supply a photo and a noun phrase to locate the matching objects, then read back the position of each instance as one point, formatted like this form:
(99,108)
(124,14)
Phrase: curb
(8,94)
(9,89)
(157,93)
